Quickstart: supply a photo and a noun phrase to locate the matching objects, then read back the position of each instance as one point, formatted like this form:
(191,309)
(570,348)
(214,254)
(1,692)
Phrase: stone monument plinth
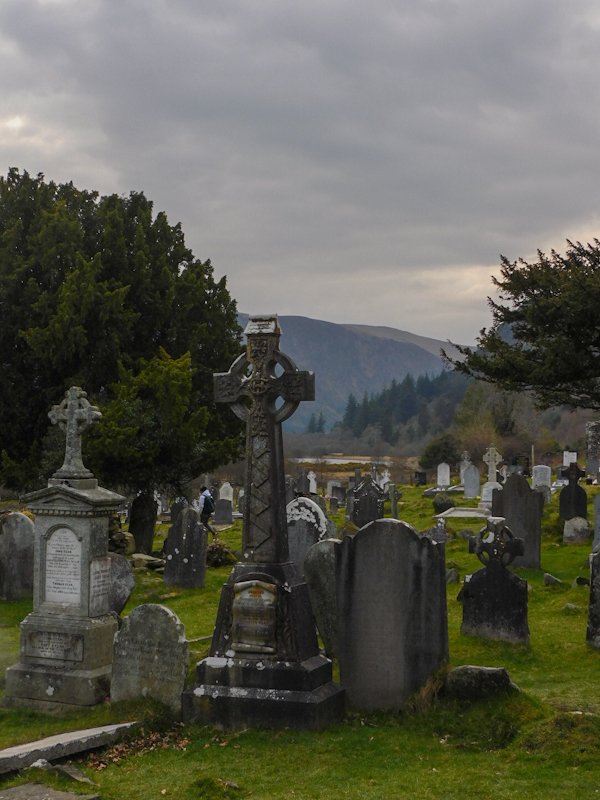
(264,668)
(67,640)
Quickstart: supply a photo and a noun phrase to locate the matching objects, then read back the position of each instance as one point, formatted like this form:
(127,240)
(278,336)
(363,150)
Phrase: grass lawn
(541,742)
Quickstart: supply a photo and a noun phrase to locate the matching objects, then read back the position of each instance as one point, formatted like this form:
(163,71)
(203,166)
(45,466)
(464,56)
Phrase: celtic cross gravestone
(66,642)
(264,639)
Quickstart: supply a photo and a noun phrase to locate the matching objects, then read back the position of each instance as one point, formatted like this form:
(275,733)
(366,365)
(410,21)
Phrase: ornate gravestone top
(495,544)
(74,415)
(492,458)
(264,387)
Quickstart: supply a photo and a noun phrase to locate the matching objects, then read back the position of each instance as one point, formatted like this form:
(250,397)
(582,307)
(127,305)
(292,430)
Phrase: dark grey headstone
(16,556)
(572,501)
(185,551)
(303,483)
(368,503)
(122,582)
(223,512)
(392,619)
(334,505)
(495,604)
(522,508)
(593,625)
(596,542)
(319,574)
(150,657)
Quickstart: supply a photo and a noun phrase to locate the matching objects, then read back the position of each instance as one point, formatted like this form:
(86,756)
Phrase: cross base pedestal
(264,668)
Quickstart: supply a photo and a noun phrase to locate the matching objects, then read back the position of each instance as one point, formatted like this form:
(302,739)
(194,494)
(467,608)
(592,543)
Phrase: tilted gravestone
(122,582)
(392,629)
(16,556)
(66,642)
(576,531)
(367,503)
(319,572)
(150,657)
(303,483)
(264,667)
(306,524)
(572,501)
(522,508)
(185,551)
(494,600)
(471,482)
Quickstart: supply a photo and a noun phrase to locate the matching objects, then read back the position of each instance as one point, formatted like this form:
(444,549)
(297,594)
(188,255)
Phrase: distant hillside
(351,359)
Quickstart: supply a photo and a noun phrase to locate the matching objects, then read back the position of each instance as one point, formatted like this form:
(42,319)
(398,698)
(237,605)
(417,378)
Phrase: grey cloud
(338,139)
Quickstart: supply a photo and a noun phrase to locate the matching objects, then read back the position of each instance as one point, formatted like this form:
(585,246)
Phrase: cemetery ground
(543,741)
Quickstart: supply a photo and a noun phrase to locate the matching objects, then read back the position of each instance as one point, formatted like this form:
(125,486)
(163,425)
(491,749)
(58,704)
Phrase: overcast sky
(351,161)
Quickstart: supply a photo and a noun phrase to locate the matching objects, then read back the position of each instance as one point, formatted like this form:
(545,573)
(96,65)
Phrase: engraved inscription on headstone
(254,617)
(63,567)
(100,578)
(54,644)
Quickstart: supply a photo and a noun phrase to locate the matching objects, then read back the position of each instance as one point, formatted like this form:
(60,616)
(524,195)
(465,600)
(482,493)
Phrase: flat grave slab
(35,791)
(59,746)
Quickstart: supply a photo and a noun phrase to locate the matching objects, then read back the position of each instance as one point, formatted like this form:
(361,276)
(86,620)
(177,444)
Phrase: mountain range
(352,359)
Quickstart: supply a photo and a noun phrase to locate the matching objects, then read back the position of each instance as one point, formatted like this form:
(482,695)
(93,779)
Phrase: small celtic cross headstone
(74,415)
(264,387)
(492,458)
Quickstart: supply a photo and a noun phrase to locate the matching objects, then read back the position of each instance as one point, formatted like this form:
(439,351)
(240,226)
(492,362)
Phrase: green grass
(541,742)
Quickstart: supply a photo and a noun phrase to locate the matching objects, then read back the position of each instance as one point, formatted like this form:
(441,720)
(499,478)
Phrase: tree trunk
(142,521)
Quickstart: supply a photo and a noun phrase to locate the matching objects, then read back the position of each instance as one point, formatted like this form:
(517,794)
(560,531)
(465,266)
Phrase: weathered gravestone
(471,482)
(312,482)
(596,542)
(367,503)
(339,493)
(150,657)
(241,500)
(576,531)
(185,551)
(522,508)
(572,501)
(226,492)
(303,483)
(319,573)
(592,435)
(465,461)
(66,642)
(306,524)
(541,481)
(391,609)
(177,507)
(443,475)
(122,582)
(593,625)
(16,556)
(394,496)
(264,668)
(334,506)
(223,512)
(494,600)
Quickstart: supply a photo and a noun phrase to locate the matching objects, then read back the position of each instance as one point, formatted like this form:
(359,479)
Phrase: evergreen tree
(545,336)
(98,292)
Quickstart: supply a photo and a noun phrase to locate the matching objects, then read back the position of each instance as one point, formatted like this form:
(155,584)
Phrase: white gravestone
(443,475)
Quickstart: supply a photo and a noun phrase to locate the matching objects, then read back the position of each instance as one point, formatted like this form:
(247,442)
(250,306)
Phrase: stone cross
(74,415)
(492,458)
(264,387)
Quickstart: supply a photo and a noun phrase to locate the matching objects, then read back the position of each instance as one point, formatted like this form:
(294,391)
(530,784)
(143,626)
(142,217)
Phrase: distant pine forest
(430,418)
